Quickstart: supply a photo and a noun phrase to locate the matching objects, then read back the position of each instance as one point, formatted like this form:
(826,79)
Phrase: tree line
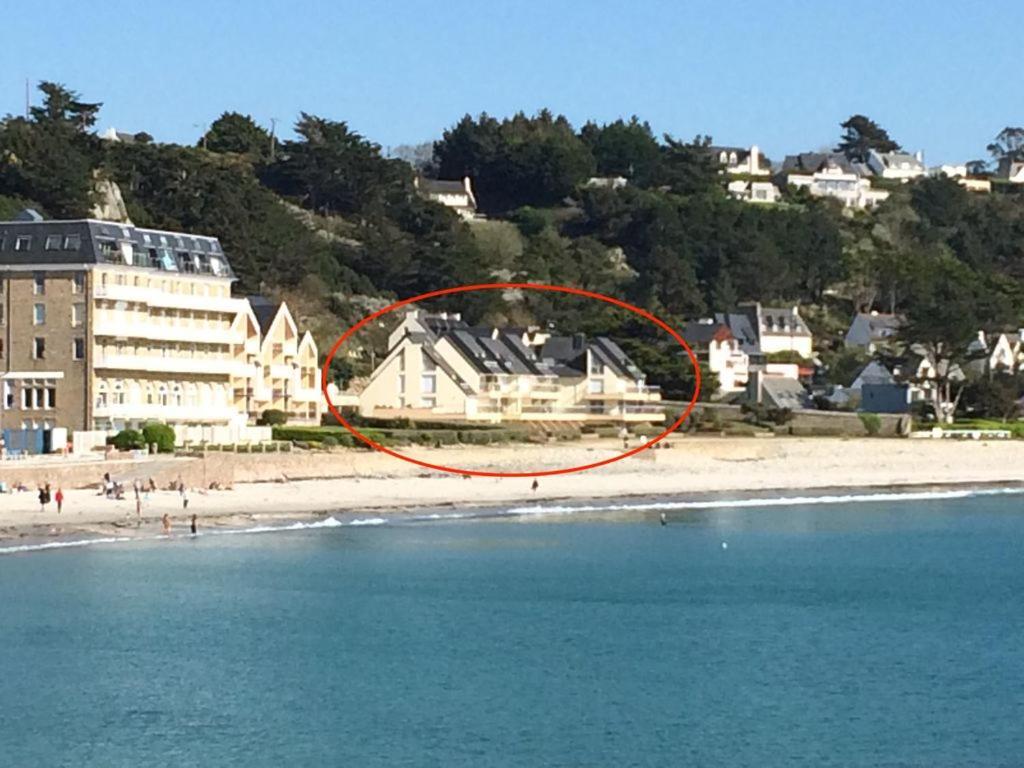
(327,216)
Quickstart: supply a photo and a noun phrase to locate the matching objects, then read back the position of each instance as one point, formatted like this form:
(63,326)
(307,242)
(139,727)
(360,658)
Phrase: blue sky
(941,76)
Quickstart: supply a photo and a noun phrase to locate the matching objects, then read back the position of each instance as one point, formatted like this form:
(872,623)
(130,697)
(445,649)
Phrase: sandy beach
(360,482)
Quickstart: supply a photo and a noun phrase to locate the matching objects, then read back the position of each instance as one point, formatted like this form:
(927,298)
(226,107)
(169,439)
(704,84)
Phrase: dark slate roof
(742,328)
(43,242)
(867,327)
(783,320)
(810,162)
(784,393)
(874,373)
(503,351)
(611,354)
(265,311)
(699,333)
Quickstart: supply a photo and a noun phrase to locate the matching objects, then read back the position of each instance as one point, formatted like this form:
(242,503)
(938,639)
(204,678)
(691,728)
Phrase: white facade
(729,363)
(754,191)
(901,166)
(832,181)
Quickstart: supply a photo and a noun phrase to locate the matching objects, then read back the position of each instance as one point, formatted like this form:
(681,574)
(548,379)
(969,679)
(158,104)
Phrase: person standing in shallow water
(167,524)
(193,524)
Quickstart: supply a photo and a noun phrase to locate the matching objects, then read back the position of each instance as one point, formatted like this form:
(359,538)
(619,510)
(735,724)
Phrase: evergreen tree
(862,134)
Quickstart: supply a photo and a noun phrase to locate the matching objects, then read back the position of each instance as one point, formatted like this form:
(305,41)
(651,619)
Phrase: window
(1,349)
(77,314)
(8,394)
(53,242)
(39,348)
(596,386)
(23,243)
(428,383)
(39,314)
(73,243)
(78,349)
(38,283)
(78,282)
(51,397)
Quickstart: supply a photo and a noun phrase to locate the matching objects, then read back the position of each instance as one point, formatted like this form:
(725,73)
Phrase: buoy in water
(725,545)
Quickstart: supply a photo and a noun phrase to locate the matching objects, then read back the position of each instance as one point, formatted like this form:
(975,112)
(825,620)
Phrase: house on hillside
(831,175)
(737,160)
(872,331)
(457,195)
(994,353)
(902,166)
(753,191)
(972,183)
(1010,170)
(439,366)
(719,351)
(762,331)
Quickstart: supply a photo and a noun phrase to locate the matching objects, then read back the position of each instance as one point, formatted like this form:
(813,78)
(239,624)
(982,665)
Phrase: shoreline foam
(538,512)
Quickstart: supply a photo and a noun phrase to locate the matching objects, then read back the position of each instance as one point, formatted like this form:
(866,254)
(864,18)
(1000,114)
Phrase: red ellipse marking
(510,286)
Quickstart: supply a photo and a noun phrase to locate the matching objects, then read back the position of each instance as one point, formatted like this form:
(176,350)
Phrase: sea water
(879,631)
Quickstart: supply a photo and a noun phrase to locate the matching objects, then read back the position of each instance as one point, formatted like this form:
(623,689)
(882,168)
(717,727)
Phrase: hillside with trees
(328,221)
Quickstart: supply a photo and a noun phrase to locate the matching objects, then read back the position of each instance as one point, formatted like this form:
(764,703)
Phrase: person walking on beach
(138,511)
(535,485)
(42,499)
(184,498)
(59,499)
(167,524)
(193,524)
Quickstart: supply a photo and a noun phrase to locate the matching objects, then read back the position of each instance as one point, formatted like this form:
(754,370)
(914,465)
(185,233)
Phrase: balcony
(634,392)
(154,297)
(222,366)
(126,328)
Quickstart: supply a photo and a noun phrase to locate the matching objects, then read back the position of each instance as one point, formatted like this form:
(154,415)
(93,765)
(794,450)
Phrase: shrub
(272,417)
(161,434)
(329,441)
(127,440)
(872,422)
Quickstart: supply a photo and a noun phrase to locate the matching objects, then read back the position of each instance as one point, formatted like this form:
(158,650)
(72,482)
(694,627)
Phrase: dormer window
(23,243)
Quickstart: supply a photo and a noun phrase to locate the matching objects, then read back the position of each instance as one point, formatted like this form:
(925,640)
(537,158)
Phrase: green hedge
(161,434)
(127,440)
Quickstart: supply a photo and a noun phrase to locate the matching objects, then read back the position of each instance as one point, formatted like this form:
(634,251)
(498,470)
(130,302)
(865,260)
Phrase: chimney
(755,386)
(467,184)
(578,341)
(755,159)
(919,155)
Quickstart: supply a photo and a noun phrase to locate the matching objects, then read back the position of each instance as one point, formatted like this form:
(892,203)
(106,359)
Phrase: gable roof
(873,373)
(500,351)
(782,392)
(700,333)
(812,162)
(868,327)
(265,311)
